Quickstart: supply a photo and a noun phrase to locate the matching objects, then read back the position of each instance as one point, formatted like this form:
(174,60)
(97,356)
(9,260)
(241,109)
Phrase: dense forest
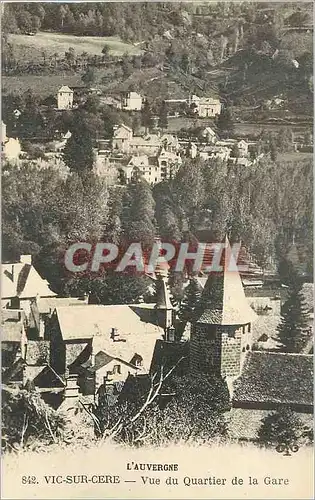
(267,207)
(139,21)
(265,49)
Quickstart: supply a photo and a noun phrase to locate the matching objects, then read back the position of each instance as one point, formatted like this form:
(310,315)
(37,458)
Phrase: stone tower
(220,334)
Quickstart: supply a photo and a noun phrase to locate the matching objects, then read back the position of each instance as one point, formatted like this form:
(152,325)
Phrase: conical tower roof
(223,300)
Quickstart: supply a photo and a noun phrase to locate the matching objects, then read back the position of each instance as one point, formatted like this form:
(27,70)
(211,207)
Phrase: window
(117,369)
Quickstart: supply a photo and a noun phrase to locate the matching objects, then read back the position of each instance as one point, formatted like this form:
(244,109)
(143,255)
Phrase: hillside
(32,47)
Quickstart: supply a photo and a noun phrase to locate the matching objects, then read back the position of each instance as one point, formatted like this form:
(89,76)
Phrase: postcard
(157,250)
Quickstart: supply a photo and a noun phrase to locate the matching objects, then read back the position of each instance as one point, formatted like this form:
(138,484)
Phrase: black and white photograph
(157,301)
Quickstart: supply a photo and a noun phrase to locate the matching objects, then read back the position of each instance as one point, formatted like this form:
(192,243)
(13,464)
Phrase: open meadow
(32,47)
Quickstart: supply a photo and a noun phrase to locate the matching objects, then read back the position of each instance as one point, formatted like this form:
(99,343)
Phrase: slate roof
(11,331)
(97,322)
(103,359)
(37,352)
(275,378)
(223,300)
(22,280)
(47,304)
(65,88)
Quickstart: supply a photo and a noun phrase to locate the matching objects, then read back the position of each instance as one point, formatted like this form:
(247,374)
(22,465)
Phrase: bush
(281,427)
(27,420)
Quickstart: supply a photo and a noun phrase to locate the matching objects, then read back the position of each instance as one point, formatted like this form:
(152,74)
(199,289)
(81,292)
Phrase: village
(117,353)
(155,156)
(74,352)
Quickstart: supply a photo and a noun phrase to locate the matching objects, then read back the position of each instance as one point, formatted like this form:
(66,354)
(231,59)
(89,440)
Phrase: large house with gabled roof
(21,283)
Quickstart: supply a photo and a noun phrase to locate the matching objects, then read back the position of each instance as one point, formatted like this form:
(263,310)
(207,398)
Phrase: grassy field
(42,85)
(175,124)
(295,156)
(52,43)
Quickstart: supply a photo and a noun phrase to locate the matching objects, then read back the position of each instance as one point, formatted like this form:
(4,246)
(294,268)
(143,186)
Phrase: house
(122,138)
(192,150)
(205,107)
(131,101)
(217,152)
(41,310)
(10,147)
(102,371)
(150,144)
(21,283)
(209,135)
(65,98)
(169,163)
(145,166)
(13,336)
(121,331)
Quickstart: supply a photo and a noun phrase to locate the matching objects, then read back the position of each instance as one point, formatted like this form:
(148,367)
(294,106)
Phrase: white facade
(122,138)
(206,107)
(147,167)
(169,163)
(209,135)
(131,101)
(65,98)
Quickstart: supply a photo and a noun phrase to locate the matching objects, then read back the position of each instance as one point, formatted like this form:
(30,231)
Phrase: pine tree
(163,121)
(294,317)
(78,152)
(225,123)
(190,301)
(146,116)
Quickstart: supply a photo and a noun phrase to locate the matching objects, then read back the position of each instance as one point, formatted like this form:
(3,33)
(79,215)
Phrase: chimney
(114,334)
(170,334)
(92,359)
(12,273)
(26,259)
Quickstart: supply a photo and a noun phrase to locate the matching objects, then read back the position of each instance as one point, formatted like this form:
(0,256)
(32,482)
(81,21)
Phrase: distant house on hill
(205,107)
(65,98)
(121,138)
(10,147)
(125,142)
(131,101)
(209,135)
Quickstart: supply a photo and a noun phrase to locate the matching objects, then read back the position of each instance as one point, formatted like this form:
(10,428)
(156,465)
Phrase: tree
(225,122)
(78,152)
(88,77)
(192,294)
(298,18)
(196,411)
(163,121)
(280,427)
(106,50)
(235,152)
(294,317)
(70,56)
(146,116)
(138,213)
